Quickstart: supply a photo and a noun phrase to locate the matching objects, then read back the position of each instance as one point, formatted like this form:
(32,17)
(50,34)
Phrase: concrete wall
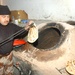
(55,10)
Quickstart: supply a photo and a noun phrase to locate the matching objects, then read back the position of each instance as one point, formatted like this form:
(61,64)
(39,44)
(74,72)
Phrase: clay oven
(50,53)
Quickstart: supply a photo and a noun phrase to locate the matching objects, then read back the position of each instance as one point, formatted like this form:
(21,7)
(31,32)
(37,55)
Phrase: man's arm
(28,25)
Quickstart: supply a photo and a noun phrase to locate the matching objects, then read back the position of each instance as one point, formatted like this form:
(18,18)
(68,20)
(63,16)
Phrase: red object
(19,42)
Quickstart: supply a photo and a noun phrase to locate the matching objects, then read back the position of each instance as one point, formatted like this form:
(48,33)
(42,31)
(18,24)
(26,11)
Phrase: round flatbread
(70,67)
(32,34)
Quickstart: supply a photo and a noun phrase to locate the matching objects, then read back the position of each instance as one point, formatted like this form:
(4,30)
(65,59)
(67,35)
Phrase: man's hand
(28,25)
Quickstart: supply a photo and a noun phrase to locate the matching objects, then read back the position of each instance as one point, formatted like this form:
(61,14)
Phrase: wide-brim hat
(4,10)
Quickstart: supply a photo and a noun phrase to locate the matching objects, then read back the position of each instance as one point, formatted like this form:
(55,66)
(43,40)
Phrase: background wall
(55,10)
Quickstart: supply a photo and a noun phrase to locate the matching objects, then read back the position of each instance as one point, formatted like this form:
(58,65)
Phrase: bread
(32,34)
(70,67)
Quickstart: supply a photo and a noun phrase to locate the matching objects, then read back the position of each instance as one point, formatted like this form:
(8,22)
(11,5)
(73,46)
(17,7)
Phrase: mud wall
(55,10)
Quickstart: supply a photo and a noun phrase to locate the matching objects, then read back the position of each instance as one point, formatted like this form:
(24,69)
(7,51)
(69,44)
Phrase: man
(6,30)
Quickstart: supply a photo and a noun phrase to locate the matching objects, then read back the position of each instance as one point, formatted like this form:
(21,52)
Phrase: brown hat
(4,10)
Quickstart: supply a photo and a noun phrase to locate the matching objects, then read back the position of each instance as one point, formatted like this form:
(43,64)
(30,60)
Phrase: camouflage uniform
(6,65)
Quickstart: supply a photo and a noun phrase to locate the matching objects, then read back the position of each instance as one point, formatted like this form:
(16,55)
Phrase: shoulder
(14,25)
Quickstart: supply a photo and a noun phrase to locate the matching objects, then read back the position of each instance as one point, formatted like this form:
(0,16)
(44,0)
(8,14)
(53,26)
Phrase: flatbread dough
(70,67)
(32,34)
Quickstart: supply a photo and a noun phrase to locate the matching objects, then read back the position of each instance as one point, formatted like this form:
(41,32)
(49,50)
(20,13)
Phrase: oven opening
(48,38)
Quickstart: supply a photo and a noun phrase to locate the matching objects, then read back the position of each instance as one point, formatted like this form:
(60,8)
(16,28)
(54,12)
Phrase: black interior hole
(47,38)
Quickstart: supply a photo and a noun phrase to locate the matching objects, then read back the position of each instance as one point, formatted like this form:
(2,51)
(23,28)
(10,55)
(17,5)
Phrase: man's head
(4,15)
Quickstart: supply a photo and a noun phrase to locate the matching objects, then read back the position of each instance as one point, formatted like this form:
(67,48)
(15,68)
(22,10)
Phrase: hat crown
(4,10)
